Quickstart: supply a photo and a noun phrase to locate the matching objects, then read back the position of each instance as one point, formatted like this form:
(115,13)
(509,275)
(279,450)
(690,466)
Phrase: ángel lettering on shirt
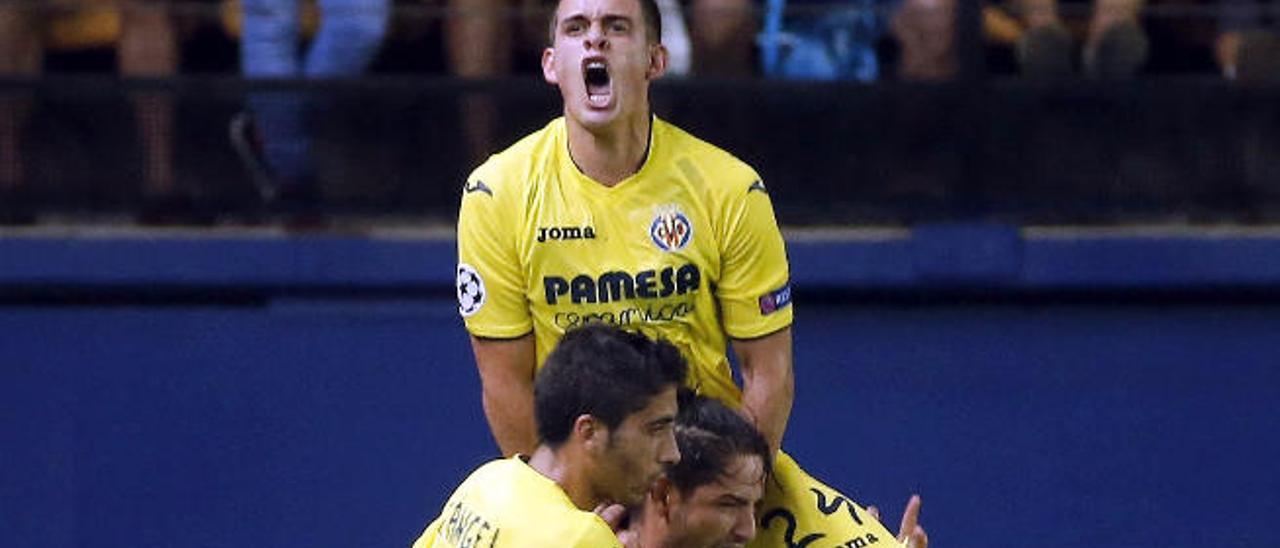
(466,528)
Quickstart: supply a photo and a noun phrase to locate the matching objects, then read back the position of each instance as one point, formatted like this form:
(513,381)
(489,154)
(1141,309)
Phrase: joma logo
(566,233)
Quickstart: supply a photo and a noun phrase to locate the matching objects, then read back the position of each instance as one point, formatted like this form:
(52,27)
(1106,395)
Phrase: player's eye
(574,27)
(730,503)
(620,27)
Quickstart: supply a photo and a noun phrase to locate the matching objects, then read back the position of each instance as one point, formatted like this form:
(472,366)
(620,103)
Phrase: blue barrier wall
(1037,388)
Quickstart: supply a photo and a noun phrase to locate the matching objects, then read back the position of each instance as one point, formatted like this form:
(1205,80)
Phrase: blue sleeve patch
(775,300)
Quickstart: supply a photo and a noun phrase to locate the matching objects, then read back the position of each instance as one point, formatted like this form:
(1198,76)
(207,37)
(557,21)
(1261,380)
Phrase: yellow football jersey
(507,504)
(799,510)
(686,249)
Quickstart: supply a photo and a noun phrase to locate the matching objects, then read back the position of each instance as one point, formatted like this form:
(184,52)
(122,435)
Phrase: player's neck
(561,467)
(611,154)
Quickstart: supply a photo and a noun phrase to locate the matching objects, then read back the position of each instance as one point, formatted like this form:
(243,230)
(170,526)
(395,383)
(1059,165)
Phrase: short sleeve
(490,279)
(754,290)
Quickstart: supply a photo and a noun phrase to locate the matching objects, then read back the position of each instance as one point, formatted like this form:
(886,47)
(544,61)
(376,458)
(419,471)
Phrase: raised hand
(910,533)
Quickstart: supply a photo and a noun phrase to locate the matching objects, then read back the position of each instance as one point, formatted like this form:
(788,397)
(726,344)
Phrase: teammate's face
(720,514)
(602,60)
(639,449)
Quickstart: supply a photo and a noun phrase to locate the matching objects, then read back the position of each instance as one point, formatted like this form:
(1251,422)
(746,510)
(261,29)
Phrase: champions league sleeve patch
(470,290)
(775,300)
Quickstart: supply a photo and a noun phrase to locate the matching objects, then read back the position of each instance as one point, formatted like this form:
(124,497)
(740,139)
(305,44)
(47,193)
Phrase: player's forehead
(743,479)
(597,9)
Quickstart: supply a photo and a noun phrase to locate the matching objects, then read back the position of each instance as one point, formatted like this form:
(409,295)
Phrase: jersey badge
(757,186)
(776,300)
(670,230)
(470,290)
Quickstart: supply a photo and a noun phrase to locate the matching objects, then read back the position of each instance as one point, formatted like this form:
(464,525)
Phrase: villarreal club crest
(670,230)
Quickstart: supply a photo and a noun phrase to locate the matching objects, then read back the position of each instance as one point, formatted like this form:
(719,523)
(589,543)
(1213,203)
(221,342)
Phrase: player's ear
(658,58)
(590,431)
(548,66)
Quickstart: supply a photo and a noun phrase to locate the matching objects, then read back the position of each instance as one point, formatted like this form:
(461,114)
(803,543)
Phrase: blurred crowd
(861,40)
(823,40)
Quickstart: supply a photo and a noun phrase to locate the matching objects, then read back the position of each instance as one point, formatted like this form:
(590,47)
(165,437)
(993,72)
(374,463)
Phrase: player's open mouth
(595,73)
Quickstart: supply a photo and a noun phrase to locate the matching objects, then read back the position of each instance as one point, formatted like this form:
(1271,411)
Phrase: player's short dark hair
(710,436)
(603,371)
(648,10)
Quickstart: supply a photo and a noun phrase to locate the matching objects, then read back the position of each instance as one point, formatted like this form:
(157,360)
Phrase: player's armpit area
(764,336)
(501,339)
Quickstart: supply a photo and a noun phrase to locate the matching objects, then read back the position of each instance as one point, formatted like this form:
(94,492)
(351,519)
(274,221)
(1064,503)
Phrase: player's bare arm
(506,377)
(768,382)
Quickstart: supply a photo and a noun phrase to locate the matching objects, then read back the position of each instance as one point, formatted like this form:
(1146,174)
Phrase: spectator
(1248,47)
(146,47)
(478,43)
(925,33)
(839,41)
(1115,46)
(274,137)
(675,36)
(721,33)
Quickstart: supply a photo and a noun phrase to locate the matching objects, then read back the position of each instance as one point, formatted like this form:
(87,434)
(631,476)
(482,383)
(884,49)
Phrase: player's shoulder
(545,516)
(514,164)
(500,470)
(728,172)
(552,524)
(595,533)
(582,529)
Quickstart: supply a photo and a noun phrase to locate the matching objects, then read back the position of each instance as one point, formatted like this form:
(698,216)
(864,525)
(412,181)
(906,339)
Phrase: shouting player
(609,214)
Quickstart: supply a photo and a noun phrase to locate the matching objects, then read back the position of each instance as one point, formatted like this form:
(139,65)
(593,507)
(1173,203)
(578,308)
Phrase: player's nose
(668,451)
(744,525)
(594,38)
